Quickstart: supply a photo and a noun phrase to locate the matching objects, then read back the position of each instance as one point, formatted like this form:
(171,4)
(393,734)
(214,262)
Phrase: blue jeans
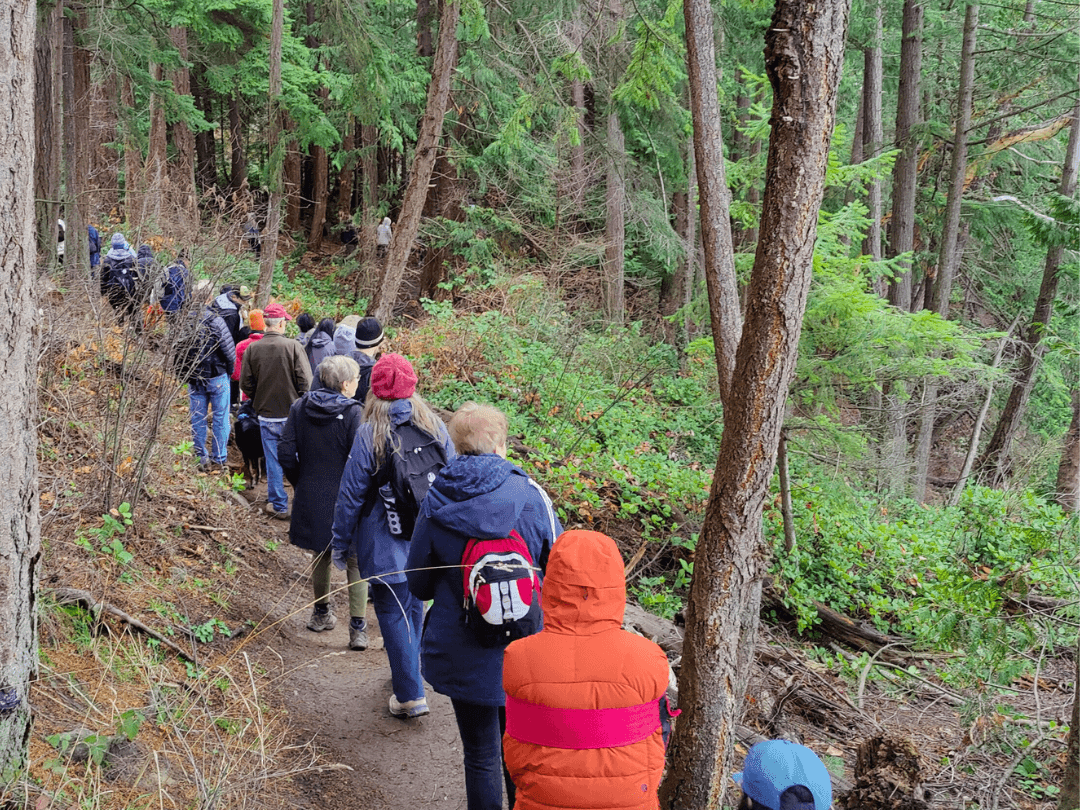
(271,432)
(401,618)
(212,395)
(482,729)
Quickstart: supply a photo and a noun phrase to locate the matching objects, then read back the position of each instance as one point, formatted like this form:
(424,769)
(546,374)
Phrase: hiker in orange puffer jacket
(586,715)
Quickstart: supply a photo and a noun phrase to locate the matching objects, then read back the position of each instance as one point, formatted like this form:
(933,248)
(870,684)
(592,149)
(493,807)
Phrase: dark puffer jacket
(484,497)
(205,348)
(313,451)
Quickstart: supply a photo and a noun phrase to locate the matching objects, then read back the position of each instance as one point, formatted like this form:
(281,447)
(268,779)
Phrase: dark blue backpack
(118,273)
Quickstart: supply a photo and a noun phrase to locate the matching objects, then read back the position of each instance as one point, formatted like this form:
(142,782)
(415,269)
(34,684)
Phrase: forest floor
(293,719)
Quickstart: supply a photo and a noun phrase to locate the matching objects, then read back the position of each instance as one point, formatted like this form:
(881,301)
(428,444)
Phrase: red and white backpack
(502,589)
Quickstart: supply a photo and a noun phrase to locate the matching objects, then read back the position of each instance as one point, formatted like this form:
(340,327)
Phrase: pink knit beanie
(393,377)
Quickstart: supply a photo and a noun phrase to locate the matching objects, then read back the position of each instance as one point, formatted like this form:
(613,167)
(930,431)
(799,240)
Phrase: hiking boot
(205,466)
(410,708)
(221,467)
(321,621)
(272,511)
(358,637)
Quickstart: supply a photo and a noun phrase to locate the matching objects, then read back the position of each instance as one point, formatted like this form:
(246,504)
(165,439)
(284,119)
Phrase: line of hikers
(523,624)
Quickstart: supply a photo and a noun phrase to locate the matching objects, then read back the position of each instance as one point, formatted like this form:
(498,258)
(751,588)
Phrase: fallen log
(77,596)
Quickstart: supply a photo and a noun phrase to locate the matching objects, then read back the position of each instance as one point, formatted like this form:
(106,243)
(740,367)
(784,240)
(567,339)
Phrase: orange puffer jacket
(612,754)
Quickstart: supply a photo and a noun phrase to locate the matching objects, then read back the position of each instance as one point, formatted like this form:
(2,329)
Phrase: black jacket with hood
(313,450)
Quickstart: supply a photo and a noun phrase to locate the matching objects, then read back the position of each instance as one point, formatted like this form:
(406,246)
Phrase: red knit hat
(393,377)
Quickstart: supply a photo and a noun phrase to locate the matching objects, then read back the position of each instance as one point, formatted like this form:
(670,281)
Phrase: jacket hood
(146,252)
(464,497)
(323,406)
(223,302)
(118,253)
(320,340)
(344,339)
(585,585)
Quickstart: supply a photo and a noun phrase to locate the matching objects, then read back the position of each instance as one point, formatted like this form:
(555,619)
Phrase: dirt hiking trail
(337,697)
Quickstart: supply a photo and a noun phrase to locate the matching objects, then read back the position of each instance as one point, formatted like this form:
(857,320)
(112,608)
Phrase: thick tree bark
(19,526)
(183,169)
(47,127)
(427,143)
(995,462)
(715,198)
(951,245)
(268,256)
(1068,477)
(320,166)
(873,131)
(905,170)
(804,54)
(238,167)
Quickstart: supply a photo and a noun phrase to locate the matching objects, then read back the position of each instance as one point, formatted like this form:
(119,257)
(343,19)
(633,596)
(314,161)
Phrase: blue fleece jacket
(359,516)
(482,496)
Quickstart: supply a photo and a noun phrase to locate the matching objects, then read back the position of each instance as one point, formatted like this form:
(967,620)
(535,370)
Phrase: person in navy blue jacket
(479,494)
(360,524)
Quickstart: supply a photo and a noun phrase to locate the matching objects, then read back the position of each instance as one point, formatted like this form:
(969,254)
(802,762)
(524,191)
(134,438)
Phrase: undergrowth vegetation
(625,436)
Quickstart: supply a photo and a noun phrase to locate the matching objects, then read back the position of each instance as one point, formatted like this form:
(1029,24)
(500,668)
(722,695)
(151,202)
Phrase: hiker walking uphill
(314,448)
(320,344)
(383,236)
(481,510)
(372,519)
(274,373)
(258,328)
(360,342)
(118,281)
(585,705)
(175,290)
(204,358)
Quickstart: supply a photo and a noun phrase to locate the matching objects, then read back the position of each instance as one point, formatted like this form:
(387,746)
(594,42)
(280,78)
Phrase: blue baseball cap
(773,766)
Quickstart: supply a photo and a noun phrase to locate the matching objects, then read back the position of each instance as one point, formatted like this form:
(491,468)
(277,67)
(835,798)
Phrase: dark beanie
(369,333)
(393,377)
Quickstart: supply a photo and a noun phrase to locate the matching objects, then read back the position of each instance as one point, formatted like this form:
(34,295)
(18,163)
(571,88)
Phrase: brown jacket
(275,373)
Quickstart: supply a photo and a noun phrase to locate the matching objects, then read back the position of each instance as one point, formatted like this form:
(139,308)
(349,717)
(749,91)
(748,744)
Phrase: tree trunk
(951,247)
(320,167)
(578,180)
(427,143)
(275,160)
(238,169)
(873,132)
(133,173)
(47,124)
(348,171)
(157,181)
(614,219)
(804,54)
(425,16)
(205,154)
(291,189)
(1068,477)
(715,199)
(183,170)
(19,526)
(76,258)
(995,461)
(905,170)
(1070,789)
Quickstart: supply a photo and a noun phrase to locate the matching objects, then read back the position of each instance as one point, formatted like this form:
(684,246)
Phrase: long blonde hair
(377,414)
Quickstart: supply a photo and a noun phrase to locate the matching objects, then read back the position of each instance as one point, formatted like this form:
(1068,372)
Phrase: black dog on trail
(249,443)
